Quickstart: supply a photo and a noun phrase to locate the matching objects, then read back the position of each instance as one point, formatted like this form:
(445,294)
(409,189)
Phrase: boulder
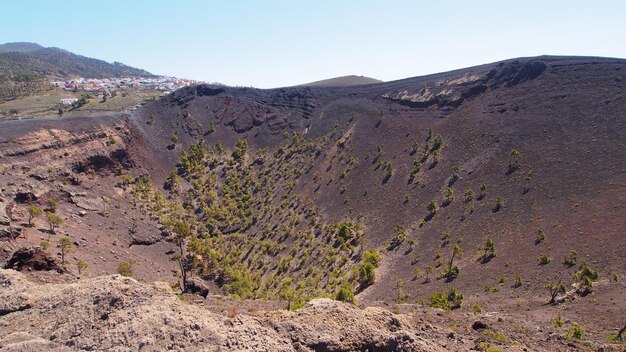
(197,286)
(93,204)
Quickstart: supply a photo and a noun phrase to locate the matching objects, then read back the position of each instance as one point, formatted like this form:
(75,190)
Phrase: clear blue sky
(266,43)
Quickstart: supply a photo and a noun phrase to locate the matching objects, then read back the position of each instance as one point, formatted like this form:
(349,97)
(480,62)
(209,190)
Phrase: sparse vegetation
(446,300)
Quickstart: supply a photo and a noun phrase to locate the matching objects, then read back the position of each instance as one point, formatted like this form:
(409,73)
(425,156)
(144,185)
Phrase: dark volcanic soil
(565,116)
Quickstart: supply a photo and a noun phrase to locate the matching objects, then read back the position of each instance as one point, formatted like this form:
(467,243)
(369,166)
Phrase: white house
(69,101)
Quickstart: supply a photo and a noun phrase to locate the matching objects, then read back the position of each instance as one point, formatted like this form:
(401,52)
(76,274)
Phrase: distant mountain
(20,47)
(26,68)
(343,81)
(28,61)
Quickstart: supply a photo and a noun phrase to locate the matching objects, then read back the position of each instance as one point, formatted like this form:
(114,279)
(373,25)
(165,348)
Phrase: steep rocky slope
(78,163)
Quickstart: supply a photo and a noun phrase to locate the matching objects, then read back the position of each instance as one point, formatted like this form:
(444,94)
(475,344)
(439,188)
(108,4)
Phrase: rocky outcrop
(451,93)
(121,314)
(195,285)
(33,259)
(10,233)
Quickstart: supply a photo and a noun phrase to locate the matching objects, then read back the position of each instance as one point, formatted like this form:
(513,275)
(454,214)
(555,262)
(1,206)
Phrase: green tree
(33,212)
(446,300)
(345,293)
(81,266)
(469,195)
(489,250)
(483,189)
(53,220)
(240,149)
(555,289)
(52,206)
(448,196)
(287,293)
(499,204)
(182,231)
(585,277)
(66,246)
(367,270)
(432,207)
(453,271)
(429,271)
(44,245)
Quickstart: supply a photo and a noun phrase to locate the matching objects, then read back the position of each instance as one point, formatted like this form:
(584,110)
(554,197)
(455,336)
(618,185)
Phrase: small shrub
(81,266)
(44,245)
(544,259)
(477,309)
(575,332)
(499,204)
(519,282)
(585,276)
(491,289)
(125,269)
(52,206)
(486,347)
(554,290)
(469,195)
(570,258)
(345,293)
(432,207)
(558,322)
(541,236)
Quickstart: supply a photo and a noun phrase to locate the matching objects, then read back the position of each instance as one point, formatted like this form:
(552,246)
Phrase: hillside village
(163,83)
